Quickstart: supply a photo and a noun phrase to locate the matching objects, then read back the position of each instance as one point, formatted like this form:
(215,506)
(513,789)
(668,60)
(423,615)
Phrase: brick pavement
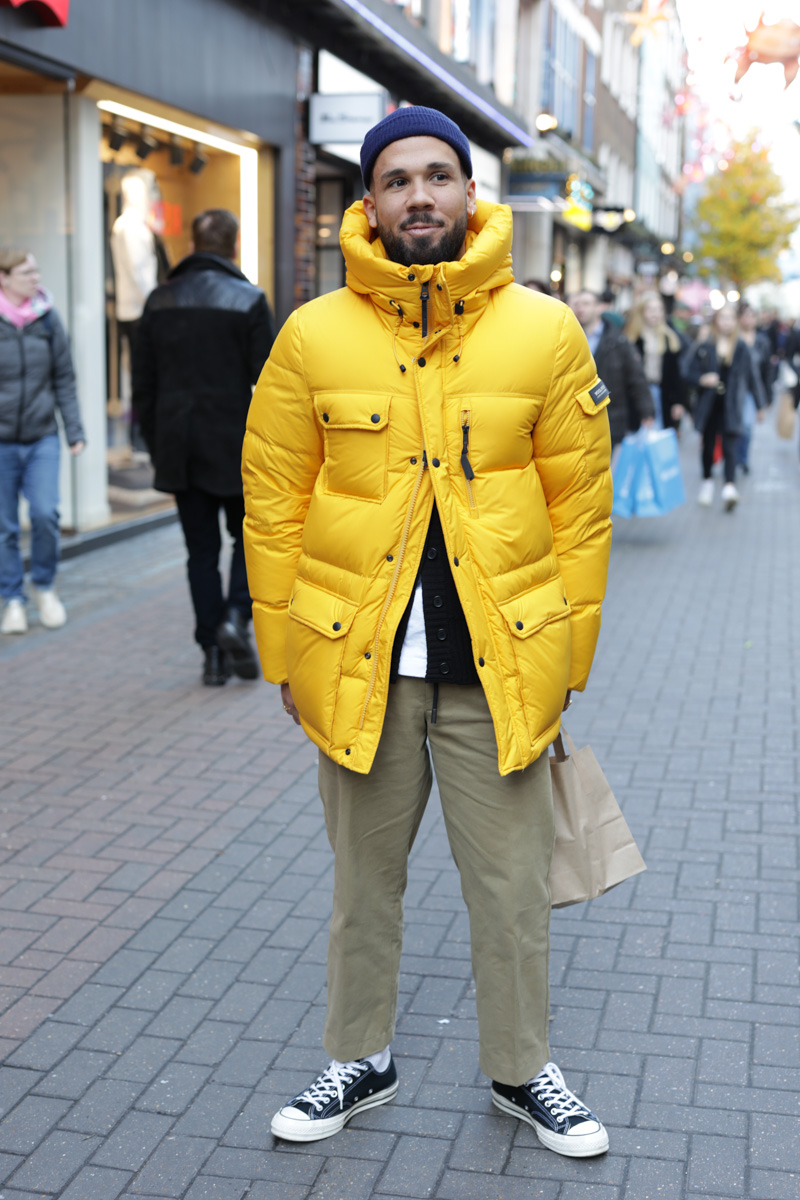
(165,881)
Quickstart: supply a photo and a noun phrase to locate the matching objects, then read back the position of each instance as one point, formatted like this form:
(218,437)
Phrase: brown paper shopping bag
(594,849)
(787,416)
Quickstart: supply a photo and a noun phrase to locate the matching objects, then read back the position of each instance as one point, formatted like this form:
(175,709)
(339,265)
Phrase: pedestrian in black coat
(619,367)
(660,348)
(204,336)
(721,368)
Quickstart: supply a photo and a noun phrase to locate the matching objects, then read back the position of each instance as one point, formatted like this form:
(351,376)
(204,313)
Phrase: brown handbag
(594,849)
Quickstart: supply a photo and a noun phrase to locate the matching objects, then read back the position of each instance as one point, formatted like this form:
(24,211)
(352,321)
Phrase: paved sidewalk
(165,883)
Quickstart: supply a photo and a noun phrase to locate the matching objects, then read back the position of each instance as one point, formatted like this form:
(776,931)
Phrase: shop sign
(51,12)
(344,118)
(549,184)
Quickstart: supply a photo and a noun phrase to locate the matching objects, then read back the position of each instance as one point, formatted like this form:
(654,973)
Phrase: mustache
(414,222)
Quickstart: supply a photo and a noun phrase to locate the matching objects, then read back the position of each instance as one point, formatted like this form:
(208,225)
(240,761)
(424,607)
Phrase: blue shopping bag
(627,468)
(664,460)
(647,475)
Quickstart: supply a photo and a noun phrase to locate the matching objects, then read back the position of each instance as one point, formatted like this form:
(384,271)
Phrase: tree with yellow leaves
(741,220)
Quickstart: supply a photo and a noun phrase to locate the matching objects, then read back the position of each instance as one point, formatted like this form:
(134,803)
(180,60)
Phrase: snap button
(444,668)
(410,276)
(421,362)
(455,562)
(325,417)
(413,462)
(337,625)
(481,663)
(416,324)
(438,287)
(441,635)
(437,601)
(375,418)
(368,655)
(432,552)
(435,462)
(565,599)
(347,751)
(390,558)
(520,625)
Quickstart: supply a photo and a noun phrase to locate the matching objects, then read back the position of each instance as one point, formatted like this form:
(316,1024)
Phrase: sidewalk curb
(95,539)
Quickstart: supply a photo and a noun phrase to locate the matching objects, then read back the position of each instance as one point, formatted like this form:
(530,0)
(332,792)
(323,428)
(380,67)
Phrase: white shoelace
(331,1083)
(550,1088)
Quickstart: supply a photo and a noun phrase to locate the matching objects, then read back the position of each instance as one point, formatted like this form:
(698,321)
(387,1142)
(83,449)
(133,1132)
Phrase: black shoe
(342,1090)
(214,671)
(233,637)
(562,1122)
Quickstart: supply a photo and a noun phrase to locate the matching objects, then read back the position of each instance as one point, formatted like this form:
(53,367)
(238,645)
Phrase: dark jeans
(715,426)
(199,514)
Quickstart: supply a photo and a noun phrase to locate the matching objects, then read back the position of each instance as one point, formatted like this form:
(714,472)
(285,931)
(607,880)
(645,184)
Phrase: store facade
(116,128)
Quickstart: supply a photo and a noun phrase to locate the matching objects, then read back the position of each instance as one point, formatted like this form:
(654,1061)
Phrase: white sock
(381,1060)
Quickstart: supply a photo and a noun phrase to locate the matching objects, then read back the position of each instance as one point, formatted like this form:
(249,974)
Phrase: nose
(418,195)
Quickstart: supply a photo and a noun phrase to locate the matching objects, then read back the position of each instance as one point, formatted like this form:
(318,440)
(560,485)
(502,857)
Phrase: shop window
(331,204)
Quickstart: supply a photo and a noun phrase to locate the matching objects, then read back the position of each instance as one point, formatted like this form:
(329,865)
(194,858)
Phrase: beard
(440,245)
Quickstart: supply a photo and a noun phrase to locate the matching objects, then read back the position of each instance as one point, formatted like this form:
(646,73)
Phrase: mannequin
(133,249)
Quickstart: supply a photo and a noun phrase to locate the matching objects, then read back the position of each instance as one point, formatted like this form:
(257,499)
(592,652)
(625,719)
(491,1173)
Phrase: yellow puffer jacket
(370,396)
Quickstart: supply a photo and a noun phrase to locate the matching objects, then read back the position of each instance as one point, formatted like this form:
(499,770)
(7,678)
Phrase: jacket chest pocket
(355,428)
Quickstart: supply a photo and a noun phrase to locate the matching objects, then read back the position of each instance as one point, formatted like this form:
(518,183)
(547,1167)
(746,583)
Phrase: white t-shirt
(414,653)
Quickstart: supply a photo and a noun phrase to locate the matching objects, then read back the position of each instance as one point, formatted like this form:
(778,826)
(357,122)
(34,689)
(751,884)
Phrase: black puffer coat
(204,336)
(36,379)
(743,377)
(620,368)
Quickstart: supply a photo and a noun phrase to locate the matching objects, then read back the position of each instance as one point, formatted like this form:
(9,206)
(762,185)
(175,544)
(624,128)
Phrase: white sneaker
(52,613)
(15,619)
(706,494)
(730,496)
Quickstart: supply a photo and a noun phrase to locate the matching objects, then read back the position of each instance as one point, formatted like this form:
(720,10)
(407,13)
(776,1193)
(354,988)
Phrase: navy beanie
(414,121)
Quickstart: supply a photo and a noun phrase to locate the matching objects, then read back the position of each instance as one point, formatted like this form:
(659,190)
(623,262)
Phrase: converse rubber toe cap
(342,1090)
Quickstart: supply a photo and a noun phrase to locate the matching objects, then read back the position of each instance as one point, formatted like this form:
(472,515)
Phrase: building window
(589,100)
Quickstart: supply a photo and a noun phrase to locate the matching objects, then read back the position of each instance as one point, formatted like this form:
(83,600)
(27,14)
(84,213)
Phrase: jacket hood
(200,261)
(395,289)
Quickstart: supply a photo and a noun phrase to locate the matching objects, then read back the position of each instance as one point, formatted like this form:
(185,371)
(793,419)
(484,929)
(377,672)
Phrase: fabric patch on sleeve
(598,392)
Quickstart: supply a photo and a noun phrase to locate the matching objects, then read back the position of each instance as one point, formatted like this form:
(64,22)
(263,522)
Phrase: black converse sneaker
(562,1122)
(342,1090)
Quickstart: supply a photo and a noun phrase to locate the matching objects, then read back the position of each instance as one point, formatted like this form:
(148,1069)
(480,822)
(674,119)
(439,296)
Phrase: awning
(375,38)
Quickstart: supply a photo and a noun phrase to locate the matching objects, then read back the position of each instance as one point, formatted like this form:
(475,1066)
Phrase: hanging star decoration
(649,18)
(766,44)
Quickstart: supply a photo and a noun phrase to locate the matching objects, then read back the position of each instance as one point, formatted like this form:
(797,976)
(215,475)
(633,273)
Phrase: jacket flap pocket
(352,410)
(595,398)
(532,610)
(329,614)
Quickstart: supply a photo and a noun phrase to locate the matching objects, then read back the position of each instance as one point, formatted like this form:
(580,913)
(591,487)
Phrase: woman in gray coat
(721,368)
(36,379)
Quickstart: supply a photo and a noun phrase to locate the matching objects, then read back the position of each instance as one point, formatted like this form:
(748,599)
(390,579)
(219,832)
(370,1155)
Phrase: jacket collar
(466,283)
(200,261)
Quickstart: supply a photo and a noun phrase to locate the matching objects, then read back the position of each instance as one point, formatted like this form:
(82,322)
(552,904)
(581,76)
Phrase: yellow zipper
(392,588)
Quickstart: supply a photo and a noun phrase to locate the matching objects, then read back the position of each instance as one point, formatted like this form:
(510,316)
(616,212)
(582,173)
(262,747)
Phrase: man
(427,537)
(203,339)
(618,365)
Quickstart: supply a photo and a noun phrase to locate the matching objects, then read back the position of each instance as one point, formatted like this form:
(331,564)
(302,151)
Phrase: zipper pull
(466,465)
(424,297)
(425,458)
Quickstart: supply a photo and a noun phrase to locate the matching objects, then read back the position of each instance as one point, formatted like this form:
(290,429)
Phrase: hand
(288,703)
(567,701)
(710,379)
(761,415)
(677,411)
(77,448)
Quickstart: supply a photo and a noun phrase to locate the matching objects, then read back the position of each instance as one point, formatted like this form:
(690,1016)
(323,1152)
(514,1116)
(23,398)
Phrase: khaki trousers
(500,831)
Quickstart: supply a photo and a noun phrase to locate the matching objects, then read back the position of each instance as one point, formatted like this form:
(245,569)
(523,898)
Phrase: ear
(472,201)
(369,210)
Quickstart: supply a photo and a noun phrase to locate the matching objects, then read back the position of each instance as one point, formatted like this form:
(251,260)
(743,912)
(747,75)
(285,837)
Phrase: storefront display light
(248,173)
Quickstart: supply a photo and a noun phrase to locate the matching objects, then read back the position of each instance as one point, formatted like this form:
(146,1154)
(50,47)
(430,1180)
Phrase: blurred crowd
(722,370)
